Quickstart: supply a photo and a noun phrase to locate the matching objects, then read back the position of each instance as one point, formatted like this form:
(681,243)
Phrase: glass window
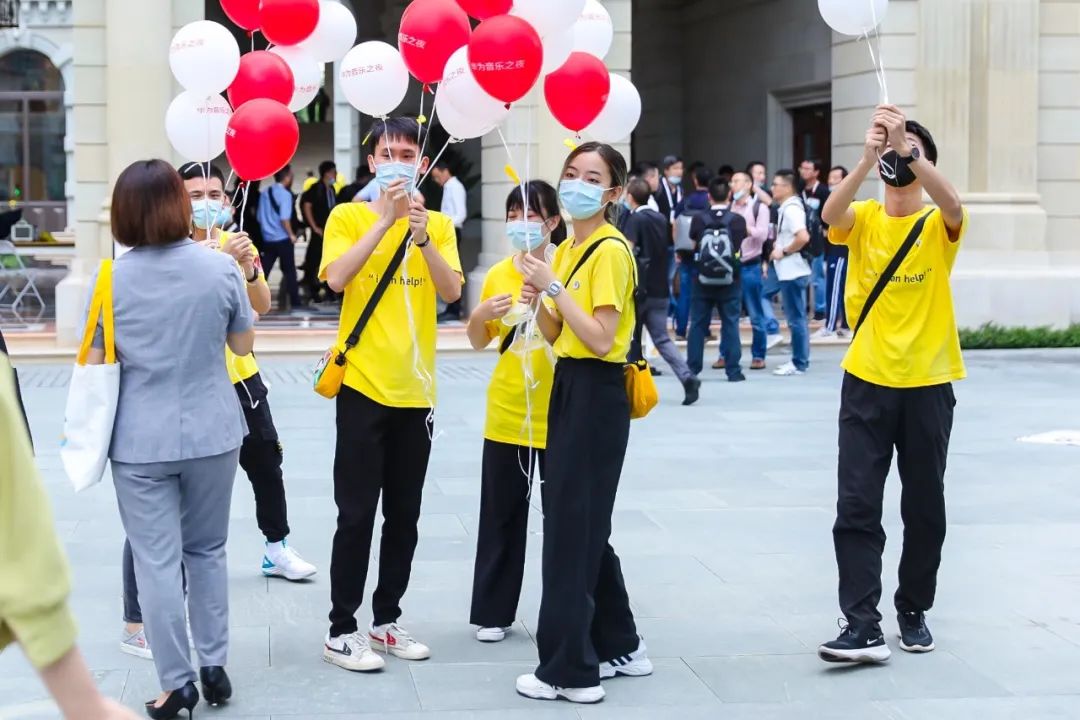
(28,70)
(47,161)
(11,150)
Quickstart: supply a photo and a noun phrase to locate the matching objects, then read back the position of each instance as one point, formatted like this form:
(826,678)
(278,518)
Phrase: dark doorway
(812,133)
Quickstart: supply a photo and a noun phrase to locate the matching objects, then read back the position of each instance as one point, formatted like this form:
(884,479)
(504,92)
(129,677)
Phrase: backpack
(806,251)
(816,246)
(683,241)
(717,260)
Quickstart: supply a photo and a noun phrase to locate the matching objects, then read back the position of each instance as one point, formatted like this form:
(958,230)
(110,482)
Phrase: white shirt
(791,221)
(453,201)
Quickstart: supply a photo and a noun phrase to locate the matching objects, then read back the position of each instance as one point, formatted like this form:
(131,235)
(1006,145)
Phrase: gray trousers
(173,513)
(655,313)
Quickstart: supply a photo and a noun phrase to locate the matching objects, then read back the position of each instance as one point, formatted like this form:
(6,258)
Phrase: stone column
(346,128)
(537,147)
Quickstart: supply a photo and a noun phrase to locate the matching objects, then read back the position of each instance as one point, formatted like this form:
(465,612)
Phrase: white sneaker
(281,560)
(352,652)
(772,341)
(491,634)
(636,664)
(135,644)
(822,334)
(787,370)
(397,641)
(532,687)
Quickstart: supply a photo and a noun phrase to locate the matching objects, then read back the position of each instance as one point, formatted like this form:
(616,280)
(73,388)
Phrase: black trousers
(503,531)
(260,457)
(283,250)
(874,420)
(585,614)
(312,259)
(379,449)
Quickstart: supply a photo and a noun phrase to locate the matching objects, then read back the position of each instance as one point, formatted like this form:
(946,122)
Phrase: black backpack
(814,226)
(717,259)
(806,251)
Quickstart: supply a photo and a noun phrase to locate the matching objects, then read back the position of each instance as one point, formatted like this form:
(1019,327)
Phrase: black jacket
(650,233)
(668,209)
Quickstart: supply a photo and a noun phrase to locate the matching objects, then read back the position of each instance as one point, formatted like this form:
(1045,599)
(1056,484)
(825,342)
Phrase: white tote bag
(92,395)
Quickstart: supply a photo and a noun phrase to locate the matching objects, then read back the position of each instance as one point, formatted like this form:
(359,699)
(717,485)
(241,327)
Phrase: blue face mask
(388,172)
(739,195)
(581,199)
(205,212)
(525,236)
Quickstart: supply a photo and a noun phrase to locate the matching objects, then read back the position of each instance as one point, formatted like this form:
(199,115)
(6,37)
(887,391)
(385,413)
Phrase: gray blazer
(173,306)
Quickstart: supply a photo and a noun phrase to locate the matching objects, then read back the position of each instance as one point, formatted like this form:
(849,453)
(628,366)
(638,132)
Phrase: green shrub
(991,336)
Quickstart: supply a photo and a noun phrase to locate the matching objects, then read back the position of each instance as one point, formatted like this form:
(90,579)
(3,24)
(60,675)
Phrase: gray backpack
(717,262)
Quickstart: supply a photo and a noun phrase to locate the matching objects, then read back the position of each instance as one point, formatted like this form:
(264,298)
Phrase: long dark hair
(615,162)
(544,201)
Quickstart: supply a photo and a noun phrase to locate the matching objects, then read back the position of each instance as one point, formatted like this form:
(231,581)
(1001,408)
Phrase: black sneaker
(914,636)
(692,388)
(737,378)
(856,645)
(655,371)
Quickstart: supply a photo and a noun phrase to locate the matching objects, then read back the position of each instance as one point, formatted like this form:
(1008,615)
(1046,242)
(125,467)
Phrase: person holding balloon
(515,432)
(386,399)
(586,629)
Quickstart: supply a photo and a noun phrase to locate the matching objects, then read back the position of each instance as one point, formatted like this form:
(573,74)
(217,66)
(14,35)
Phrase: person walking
(515,430)
(178,428)
(792,270)
(316,204)
(897,391)
(275,214)
(836,265)
(647,231)
(586,629)
(814,194)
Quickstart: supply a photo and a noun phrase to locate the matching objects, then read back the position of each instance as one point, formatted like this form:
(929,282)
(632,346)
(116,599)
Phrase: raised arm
(837,211)
(340,272)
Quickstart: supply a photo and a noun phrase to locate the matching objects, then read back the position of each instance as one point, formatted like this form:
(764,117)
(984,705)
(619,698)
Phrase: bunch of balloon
(860,18)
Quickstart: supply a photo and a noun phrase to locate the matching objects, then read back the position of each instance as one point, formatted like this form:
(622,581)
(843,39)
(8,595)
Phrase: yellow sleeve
(862,210)
(445,239)
(339,235)
(487,291)
(34,581)
(610,276)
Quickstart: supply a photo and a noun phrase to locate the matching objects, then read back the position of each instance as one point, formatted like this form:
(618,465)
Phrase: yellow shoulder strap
(100,306)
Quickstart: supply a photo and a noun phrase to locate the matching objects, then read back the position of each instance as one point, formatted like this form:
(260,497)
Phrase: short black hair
(754,163)
(442,165)
(639,190)
(396,128)
(719,190)
(843,170)
(283,173)
(326,166)
(702,176)
(725,171)
(644,166)
(927,139)
(819,166)
(670,160)
(787,175)
(193,170)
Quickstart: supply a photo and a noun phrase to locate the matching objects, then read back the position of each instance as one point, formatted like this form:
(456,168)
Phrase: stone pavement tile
(553,711)
(1066,707)
(1037,662)
(784,678)
(840,710)
(26,698)
(763,530)
(722,633)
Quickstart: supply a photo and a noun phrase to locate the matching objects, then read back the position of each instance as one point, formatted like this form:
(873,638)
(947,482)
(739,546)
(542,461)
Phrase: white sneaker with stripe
(532,687)
(636,664)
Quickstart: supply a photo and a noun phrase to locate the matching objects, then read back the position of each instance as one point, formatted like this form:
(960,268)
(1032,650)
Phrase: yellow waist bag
(330,372)
(641,388)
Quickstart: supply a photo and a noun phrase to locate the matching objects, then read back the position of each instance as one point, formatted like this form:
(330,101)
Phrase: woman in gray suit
(179,425)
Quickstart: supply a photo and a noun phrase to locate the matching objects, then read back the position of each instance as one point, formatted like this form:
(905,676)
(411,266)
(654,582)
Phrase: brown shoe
(757,364)
(719,364)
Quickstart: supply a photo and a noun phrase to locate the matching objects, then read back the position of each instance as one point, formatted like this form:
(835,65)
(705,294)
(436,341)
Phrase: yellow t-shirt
(240,367)
(507,409)
(382,366)
(606,278)
(910,337)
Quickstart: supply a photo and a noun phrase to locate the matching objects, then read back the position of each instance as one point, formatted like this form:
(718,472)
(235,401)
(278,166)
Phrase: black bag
(805,250)
(717,261)
(890,270)
(816,228)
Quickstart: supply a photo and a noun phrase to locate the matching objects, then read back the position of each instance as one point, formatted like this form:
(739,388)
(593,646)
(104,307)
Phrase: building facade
(721,82)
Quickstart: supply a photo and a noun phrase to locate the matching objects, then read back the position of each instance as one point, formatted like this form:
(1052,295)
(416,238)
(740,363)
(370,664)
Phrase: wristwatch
(913,155)
(554,288)
(253,279)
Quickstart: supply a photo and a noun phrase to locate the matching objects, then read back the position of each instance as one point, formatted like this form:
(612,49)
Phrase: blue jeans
(836,277)
(728,301)
(817,266)
(755,307)
(793,293)
(687,280)
(770,288)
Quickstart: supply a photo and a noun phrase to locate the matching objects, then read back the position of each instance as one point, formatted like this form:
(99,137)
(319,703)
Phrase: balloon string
(432,166)
(427,135)
(243,203)
(419,369)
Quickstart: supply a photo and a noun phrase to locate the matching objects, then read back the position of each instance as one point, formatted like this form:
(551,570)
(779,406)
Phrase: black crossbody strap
(890,270)
(380,290)
(508,340)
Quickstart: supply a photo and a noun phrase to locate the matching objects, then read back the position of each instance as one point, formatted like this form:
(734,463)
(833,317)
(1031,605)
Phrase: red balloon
(578,91)
(262,74)
(431,31)
(505,57)
(261,138)
(483,9)
(244,13)
(287,22)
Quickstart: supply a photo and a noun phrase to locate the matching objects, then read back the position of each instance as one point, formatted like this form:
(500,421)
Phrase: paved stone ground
(723,523)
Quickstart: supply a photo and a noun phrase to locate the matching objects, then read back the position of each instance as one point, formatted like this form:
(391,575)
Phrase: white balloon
(307,74)
(853,17)
(557,48)
(195,125)
(334,35)
(204,57)
(593,31)
(374,78)
(621,114)
(548,16)
(460,126)
(460,89)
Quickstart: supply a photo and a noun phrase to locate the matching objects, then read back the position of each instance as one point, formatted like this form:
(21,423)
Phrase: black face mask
(896,170)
